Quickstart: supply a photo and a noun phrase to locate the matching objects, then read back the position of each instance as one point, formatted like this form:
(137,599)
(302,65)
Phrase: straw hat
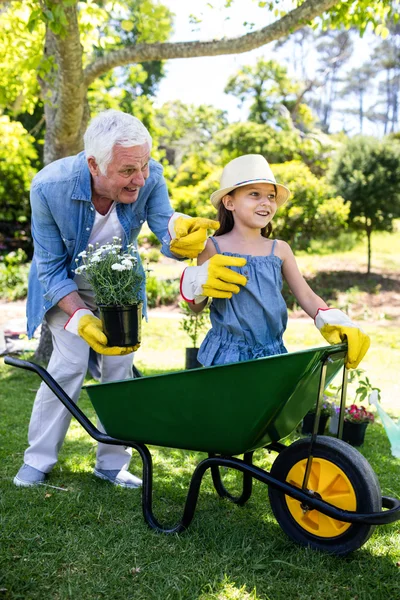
(250,168)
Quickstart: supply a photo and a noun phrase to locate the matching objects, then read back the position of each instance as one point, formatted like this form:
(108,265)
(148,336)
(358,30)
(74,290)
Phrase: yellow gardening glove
(213,278)
(90,328)
(336,327)
(189,234)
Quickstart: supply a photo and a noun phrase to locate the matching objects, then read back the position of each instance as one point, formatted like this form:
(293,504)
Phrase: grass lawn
(88,540)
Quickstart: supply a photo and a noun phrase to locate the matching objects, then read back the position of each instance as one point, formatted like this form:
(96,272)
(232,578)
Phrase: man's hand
(189,234)
(90,328)
(213,278)
(336,327)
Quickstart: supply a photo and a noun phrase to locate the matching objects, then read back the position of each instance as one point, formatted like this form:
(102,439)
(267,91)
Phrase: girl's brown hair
(226,221)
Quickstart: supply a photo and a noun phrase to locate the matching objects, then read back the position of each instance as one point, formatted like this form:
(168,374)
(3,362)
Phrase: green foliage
(16,171)
(312,212)
(194,200)
(362,14)
(256,138)
(187,133)
(21,59)
(367,175)
(161,292)
(148,238)
(194,323)
(275,95)
(14,275)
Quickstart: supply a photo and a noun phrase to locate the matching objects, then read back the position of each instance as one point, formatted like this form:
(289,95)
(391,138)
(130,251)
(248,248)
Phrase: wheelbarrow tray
(229,409)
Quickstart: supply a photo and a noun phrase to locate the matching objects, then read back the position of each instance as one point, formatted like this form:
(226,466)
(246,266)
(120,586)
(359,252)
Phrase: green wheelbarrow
(323,492)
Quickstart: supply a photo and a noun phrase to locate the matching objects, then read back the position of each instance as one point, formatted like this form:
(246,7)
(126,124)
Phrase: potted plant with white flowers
(117,278)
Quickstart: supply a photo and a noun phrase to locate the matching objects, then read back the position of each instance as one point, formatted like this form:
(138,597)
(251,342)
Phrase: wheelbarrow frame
(214,461)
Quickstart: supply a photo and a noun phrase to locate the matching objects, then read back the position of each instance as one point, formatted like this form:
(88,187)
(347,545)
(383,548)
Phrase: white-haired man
(110,189)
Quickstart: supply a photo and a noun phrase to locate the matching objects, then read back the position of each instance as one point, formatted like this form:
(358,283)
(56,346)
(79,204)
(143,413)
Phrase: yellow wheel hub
(332,485)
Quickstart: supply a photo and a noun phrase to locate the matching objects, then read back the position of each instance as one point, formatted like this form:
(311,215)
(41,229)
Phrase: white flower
(80,270)
(90,246)
(95,259)
(127,263)
(83,254)
(117,267)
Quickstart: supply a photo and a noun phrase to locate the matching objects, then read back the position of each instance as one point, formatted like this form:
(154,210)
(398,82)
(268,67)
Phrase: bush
(148,238)
(313,212)
(161,292)
(17,155)
(14,275)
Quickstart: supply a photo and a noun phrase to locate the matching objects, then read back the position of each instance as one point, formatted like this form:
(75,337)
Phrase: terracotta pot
(122,324)
(354,433)
(308,423)
(191,359)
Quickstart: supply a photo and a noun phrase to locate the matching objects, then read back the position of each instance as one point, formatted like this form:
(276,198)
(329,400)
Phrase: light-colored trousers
(50,419)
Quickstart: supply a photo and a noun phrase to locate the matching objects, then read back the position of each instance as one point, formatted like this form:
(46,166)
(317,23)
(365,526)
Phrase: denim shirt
(62,219)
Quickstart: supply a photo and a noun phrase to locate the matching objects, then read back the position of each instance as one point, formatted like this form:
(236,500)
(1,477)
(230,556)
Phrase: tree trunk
(45,347)
(66,112)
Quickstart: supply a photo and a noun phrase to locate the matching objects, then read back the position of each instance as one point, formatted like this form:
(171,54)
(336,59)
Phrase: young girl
(248,313)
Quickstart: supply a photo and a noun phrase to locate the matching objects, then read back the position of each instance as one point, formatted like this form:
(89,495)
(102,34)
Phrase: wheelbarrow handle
(64,398)
(24,364)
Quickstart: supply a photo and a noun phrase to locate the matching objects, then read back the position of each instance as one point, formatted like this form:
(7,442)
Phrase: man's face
(126,174)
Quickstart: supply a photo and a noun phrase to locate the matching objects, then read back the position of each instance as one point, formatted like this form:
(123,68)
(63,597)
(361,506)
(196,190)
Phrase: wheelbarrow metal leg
(247,482)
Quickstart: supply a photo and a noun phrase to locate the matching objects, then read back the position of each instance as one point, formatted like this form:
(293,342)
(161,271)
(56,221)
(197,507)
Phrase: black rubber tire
(362,478)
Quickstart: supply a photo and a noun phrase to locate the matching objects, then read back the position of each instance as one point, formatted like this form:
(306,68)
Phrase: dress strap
(273,248)
(214,241)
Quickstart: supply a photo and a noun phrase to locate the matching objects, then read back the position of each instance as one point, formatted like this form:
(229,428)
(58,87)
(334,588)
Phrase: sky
(202,80)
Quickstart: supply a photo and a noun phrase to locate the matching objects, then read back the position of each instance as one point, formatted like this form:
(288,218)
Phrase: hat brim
(282,192)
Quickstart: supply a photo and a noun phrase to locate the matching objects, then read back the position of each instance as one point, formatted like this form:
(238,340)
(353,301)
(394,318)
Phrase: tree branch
(295,19)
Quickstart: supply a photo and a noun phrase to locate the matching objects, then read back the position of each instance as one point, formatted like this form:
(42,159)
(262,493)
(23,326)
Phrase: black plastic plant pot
(354,433)
(122,324)
(191,358)
(307,425)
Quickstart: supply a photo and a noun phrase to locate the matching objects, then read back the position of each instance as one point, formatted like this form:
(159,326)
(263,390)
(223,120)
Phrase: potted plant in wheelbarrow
(117,278)
(193,324)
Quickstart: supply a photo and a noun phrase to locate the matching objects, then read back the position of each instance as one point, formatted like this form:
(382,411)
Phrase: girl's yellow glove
(336,327)
(213,278)
(189,234)
(90,328)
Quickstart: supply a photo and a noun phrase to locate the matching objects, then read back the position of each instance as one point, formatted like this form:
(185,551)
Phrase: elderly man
(108,190)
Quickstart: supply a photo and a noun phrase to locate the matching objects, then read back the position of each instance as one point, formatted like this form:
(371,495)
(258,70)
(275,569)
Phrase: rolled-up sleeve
(51,254)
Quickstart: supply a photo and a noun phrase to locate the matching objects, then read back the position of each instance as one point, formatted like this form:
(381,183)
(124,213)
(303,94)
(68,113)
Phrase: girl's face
(253,205)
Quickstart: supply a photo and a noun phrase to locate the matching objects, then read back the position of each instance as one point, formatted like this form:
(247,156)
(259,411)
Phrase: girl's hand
(213,278)
(336,327)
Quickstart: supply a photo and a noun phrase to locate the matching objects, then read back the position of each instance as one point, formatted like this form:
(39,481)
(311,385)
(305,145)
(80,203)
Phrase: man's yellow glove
(90,328)
(189,234)
(213,278)
(336,327)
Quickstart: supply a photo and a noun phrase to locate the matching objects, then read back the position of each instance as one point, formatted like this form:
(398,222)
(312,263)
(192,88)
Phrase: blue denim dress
(251,323)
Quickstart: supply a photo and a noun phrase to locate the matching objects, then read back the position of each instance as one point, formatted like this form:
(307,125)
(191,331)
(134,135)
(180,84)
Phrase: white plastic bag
(392,429)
